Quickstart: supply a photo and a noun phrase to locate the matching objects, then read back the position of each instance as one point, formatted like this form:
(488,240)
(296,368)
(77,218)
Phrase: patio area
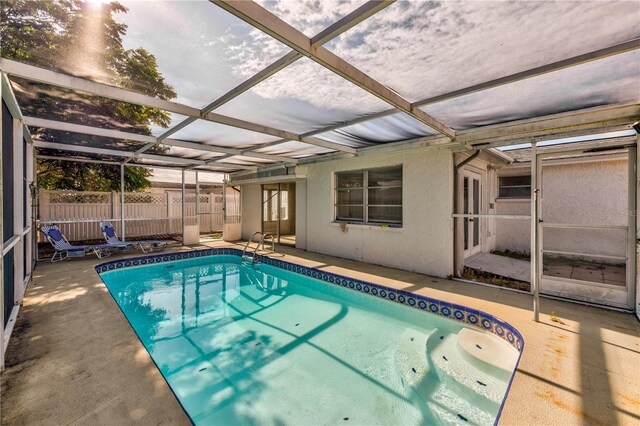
(75,359)
(356,138)
(520,270)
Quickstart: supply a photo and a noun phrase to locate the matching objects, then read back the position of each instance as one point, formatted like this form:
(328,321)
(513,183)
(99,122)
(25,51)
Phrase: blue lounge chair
(64,249)
(146,246)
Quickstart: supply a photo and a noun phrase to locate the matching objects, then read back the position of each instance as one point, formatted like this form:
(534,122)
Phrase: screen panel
(311,17)
(295,149)
(611,80)
(8,184)
(303,97)
(8,283)
(53,103)
(392,128)
(218,134)
(422,49)
(188,51)
(84,141)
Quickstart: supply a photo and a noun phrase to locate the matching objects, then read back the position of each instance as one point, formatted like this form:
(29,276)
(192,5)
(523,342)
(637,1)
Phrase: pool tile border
(463,314)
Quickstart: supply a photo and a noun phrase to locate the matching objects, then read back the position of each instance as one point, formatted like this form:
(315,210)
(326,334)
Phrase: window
(514,186)
(369,196)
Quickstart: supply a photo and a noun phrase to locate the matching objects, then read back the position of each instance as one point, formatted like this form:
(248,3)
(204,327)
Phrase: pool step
(435,374)
(472,377)
(488,349)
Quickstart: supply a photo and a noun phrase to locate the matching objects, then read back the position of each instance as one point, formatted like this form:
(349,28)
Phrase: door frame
(473,173)
(278,201)
(603,294)
(262,207)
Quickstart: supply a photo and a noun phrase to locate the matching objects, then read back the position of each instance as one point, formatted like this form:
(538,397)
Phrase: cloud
(310,16)
(421,49)
(202,50)
(417,48)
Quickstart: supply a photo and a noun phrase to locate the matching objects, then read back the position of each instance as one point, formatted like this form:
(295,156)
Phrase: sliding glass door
(278,212)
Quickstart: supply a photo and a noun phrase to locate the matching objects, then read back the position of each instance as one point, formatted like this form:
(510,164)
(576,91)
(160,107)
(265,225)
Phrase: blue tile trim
(455,312)
(462,314)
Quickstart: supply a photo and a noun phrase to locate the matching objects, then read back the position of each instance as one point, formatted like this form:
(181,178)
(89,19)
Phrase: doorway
(471,205)
(279,212)
(586,229)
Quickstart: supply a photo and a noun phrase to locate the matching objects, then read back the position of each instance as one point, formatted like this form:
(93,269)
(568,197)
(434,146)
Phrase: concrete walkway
(74,359)
(521,269)
(501,265)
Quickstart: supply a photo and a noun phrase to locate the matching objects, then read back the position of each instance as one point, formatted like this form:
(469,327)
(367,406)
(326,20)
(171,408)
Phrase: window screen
(514,186)
(369,196)
(7,174)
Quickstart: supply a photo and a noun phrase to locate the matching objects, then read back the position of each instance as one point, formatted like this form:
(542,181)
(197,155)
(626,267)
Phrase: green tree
(79,38)
(76,176)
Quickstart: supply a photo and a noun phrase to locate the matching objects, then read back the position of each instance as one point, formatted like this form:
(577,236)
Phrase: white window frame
(365,198)
(520,197)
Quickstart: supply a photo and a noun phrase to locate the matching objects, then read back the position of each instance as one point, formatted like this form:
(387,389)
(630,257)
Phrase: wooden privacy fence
(147,214)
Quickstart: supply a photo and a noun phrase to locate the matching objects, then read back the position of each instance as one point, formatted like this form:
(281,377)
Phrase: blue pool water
(261,345)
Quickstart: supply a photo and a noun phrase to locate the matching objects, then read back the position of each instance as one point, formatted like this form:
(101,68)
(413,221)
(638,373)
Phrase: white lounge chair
(64,249)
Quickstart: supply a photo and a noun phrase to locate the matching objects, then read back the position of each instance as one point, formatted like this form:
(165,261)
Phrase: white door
(471,196)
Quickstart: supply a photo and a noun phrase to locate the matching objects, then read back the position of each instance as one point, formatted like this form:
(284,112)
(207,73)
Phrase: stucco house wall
(582,192)
(301,214)
(424,244)
(251,196)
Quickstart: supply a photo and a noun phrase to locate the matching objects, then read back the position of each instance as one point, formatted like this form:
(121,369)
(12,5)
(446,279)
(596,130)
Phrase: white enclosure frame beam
(184,208)
(587,121)
(126,136)
(632,185)
(23,70)
(9,97)
(512,78)
(636,183)
(3,94)
(339,27)
(536,252)
(18,224)
(58,79)
(594,120)
(122,206)
(128,154)
(262,19)
(22,230)
(114,163)
(197,202)
(617,49)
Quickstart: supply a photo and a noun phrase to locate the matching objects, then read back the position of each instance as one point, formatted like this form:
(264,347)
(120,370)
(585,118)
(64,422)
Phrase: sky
(168,175)
(417,48)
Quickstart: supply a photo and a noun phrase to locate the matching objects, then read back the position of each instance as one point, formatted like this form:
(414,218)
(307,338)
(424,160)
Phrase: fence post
(113,205)
(197,202)
(169,221)
(224,204)
(122,201)
(184,207)
(212,214)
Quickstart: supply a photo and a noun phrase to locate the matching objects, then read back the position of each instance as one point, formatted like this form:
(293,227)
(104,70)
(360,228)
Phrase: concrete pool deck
(74,359)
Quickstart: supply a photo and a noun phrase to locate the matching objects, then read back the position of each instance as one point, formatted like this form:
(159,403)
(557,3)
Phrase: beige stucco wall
(578,193)
(301,214)
(251,210)
(424,244)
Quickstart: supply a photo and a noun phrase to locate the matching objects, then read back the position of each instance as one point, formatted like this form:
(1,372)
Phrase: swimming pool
(277,343)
